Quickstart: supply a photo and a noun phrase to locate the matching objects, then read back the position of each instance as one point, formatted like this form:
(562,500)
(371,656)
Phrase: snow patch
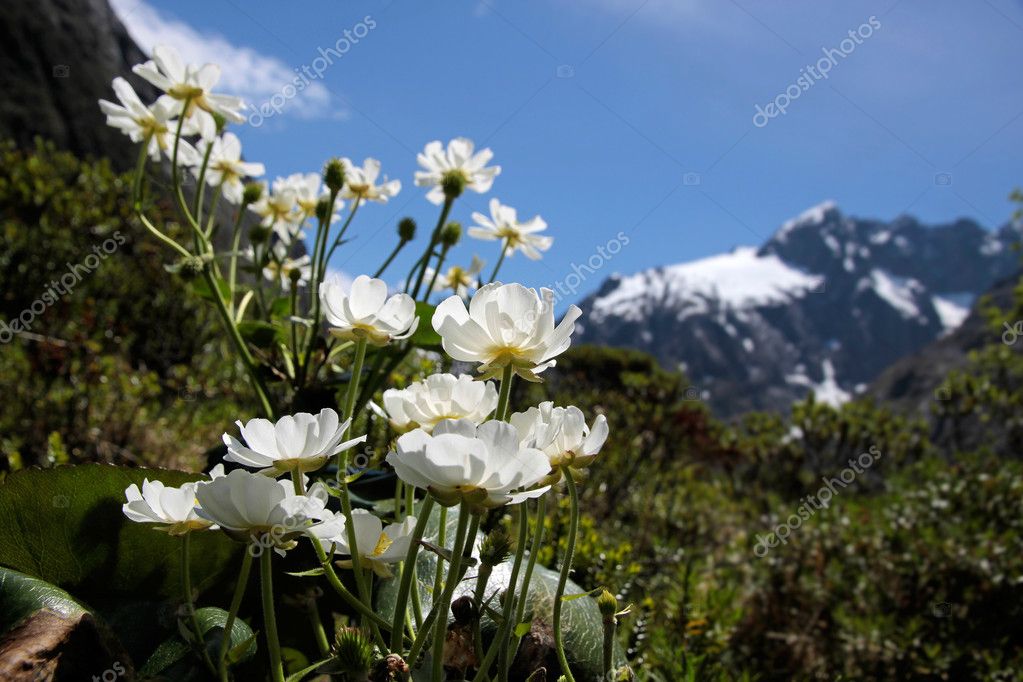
(811,216)
(733,281)
(899,292)
(952,309)
(827,390)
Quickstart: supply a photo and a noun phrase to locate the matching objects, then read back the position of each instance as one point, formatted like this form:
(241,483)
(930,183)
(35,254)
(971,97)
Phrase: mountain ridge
(826,303)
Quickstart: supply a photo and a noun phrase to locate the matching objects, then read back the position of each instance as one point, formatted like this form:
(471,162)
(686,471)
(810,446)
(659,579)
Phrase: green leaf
(312,572)
(65,526)
(167,654)
(281,307)
(44,627)
(201,289)
(22,595)
(581,620)
(212,622)
(260,334)
(425,336)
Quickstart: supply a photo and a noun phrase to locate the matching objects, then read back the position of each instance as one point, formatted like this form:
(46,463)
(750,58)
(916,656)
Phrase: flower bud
(453,184)
(607,604)
(253,192)
(259,234)
(497,547)
(295,274)
(191,267)
(353,653)
(334,175)
(323,208)
(451,233)
(407,229)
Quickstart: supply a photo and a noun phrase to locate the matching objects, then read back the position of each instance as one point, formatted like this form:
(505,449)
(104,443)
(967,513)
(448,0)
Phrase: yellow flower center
(382,544)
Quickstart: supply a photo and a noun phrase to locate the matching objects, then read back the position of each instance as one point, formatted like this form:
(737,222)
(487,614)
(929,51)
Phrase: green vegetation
(912,571)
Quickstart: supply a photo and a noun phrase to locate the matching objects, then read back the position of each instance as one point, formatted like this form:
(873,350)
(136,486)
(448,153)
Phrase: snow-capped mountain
(826,304)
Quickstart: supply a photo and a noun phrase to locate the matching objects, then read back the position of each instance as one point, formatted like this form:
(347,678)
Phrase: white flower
(190,83)
(360,182)
(504,224)
(562,433)
(479,465)
(278,208)
(460,280)
(505,324)
(175,508)
(225,168)
(304,441)
(157,503)
(457,160)
(367,312)
(250,507)
(279,267)
(153,125)
(438,397)
(379,545)
(307,190)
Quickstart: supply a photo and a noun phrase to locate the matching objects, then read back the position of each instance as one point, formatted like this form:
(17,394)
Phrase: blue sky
(631,115)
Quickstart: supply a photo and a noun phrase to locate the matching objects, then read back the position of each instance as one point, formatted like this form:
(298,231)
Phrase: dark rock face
(57,58)
(826,304)
(914,382)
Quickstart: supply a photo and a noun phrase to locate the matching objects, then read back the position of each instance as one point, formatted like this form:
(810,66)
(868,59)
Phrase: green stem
(534,550)
(176,177)
(342,591)
(399,247)
(140,169)
(353,384)
(162,237)
(212,225)
(200,183)
(318,632)
(341,232)
(436,272)
(507,627)
(232,614)
(501,414)
(610,626)
(440,627)
(448,203)
(239,344)
(236,242)
(269,619)
(186,584)
(408,572)
(497,266)
(566,568)
(438,578)
(295,351)
(342,471)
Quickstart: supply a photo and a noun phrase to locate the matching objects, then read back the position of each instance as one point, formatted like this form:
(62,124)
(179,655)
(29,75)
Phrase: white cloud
(244,71)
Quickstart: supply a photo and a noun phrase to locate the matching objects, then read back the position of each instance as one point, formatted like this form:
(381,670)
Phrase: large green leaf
(45,630)
(172,658)
(65,526)
(22,595)
(581,620)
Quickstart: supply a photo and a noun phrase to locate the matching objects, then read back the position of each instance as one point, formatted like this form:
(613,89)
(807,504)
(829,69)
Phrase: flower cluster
(453,439)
